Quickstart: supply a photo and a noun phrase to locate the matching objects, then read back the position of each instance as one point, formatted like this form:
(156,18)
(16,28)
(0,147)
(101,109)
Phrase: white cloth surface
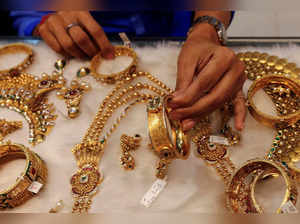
(192,186)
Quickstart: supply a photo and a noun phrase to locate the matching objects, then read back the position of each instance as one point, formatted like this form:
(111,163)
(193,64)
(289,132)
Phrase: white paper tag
(35,187)
(218,140)
(153,192)
(125,39)
(289,207)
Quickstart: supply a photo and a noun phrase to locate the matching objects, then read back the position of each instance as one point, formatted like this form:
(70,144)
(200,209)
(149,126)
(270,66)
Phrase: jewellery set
(27,95)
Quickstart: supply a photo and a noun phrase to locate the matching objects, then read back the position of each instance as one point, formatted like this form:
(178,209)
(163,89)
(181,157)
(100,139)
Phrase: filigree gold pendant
(26,94)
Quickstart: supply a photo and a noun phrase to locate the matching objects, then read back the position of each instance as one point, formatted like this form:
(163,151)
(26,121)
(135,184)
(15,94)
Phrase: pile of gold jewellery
(88,153)
(283,88)
(29,182)
(26,94)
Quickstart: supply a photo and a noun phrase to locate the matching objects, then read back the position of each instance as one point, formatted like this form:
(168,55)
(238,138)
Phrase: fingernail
(110,55)
(188,125)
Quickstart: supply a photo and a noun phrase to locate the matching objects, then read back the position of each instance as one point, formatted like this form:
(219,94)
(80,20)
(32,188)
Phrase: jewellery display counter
(192,186)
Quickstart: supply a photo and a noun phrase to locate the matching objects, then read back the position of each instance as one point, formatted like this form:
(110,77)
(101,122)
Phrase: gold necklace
(89,152)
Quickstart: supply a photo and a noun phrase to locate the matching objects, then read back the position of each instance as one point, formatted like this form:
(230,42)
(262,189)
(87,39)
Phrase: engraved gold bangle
(35,171)
(158,133)
(240,193)
(179,138)
(113,78)
(268,120)
(15,49)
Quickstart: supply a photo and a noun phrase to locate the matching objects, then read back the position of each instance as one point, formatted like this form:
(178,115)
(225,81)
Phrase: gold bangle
(113,78)
(240,196)
(159,135)
(268,120)
(35,171)
(13,49)
(180,140)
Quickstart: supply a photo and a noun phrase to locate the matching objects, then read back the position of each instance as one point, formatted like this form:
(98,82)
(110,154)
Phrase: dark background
(6,28)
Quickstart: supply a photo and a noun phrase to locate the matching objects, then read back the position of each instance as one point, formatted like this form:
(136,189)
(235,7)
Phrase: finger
(210,75)
(56,26)
(97,33)
(228,86)
(188,124)
(51,40)
(239,111)
(186,67)
(83,41)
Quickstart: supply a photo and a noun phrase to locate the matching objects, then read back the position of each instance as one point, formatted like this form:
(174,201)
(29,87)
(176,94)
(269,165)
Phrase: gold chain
(88,154)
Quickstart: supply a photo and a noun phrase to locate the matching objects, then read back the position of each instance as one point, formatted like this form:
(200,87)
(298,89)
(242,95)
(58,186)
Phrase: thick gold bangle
(159,135)
(113,78)
(35,171)
(268,120)
(179,138)
(240,193)
(15,49)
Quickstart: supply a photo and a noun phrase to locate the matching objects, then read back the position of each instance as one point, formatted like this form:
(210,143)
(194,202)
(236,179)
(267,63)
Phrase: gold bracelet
(283,83)
(13,49)
(159,136)
(179,138)
(35,173)
(113,78)
(240,193)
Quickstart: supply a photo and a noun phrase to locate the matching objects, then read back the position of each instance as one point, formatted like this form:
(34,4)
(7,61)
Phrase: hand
(83,40)
(208,76)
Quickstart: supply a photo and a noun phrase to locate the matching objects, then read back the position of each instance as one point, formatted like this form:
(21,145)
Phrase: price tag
(153,192)
(289,207)
(218,140)
(125,39)
(35,187)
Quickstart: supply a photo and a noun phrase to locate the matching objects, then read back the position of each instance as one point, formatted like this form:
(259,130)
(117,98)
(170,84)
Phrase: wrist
(204,31)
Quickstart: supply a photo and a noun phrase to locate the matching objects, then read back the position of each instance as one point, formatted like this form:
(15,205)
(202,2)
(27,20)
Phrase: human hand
(208,76)
(84,39)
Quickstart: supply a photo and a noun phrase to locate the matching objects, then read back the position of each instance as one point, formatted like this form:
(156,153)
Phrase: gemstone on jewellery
(73,110)
(272,149)
(84,179)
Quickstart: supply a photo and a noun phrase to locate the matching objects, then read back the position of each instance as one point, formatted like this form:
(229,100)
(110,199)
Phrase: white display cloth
(192,186)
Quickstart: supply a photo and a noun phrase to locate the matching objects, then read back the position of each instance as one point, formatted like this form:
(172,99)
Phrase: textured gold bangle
(35,171)
(179,138)
(15,49)
(159,135)
(113,78)
(240,193)
(268,120)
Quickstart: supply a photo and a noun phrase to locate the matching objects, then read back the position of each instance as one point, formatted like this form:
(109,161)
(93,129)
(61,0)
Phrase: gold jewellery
(89,152)
(113,78)
(241,190)
(213,154)
(283,87)
(73,94)
(167,144)
(8,127)
(13,49)
(129,143)
(26,94)
(29,182)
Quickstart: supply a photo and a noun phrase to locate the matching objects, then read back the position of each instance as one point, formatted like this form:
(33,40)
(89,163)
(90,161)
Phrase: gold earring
(8,127)
(73,94)
(129,143)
